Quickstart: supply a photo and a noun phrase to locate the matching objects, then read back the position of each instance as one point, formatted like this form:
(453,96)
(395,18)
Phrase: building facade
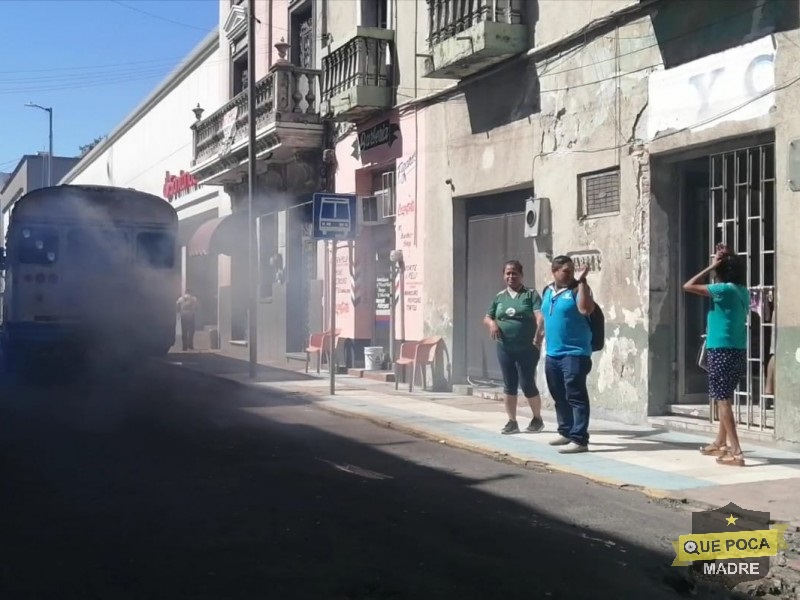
(290,137)
(645,140)
(29,174)
(151,151)
(639,133)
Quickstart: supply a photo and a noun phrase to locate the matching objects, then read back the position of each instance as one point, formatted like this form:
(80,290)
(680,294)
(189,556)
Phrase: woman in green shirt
(726,345)
(514,321)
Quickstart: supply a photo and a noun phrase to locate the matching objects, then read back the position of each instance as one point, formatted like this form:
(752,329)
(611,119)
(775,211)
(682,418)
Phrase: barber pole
(398,277)
(355,277)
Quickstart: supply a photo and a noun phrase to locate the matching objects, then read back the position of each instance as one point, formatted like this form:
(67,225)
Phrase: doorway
(203,279)
(729,198)
(383,237)
(495,234)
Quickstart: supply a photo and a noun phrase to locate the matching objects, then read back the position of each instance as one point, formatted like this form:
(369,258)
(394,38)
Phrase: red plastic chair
(419,355)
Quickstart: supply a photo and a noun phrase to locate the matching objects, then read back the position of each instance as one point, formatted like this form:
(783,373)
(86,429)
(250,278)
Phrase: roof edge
(200,53)
(25,158)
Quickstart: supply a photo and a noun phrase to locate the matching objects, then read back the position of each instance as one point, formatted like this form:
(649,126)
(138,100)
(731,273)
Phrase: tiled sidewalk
(660,463)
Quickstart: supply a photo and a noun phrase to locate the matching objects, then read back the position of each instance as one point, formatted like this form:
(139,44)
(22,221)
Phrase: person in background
(514,322)
(566,304)
(187,309)
(726,345)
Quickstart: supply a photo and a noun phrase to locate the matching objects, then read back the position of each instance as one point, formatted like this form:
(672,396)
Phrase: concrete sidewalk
(660,463)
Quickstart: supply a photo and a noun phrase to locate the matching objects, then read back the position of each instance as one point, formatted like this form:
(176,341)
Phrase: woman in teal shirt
(726,345)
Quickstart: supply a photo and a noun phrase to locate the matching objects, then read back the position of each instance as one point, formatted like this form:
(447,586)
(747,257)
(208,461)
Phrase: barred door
(742,216)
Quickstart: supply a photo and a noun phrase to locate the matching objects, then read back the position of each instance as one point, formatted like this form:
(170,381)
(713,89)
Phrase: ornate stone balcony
(467,36)
(287,124)
(357,76)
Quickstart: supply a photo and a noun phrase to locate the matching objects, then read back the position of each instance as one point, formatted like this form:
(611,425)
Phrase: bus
(89,269)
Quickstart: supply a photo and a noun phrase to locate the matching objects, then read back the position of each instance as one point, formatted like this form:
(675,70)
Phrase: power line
(158,162)
(88,84)
(656,44)
(706,121)
(180,23)
(104,66)
(160,18)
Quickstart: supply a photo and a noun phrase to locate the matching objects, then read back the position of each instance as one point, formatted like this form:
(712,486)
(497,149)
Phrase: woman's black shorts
(519,369)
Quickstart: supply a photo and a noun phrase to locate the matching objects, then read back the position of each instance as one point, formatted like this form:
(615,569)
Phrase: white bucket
(373,358)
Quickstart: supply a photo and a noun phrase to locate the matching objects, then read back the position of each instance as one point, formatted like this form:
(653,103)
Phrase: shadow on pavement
(218,364)
(193,490)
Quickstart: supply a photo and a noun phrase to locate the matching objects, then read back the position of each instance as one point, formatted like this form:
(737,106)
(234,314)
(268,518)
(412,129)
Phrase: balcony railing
(448,18)
(363,61)
(287,94)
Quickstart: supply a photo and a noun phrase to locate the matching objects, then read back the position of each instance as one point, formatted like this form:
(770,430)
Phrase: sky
(92,61)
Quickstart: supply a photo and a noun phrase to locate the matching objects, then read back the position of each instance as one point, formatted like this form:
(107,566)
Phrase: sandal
(713,450)
(732,460)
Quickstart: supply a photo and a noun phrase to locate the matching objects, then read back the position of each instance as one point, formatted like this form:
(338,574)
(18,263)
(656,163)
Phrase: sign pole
(334,220)
(392,309)
(332,319)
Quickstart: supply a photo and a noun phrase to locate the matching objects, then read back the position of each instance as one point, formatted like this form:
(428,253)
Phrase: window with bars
(599,193)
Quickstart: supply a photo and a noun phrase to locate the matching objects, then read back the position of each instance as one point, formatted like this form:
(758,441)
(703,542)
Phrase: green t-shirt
(514,317)
(727,320)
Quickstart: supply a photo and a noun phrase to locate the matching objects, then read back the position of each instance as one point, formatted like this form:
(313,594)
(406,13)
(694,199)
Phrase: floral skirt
(726,367)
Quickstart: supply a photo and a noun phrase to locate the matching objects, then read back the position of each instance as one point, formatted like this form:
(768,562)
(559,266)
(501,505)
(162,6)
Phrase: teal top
(727,320)
(514,316)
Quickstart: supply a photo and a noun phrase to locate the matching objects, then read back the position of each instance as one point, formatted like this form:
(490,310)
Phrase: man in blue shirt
(566,306)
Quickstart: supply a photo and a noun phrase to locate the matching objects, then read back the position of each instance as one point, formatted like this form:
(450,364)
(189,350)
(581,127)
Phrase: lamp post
(49,111)
(252,259)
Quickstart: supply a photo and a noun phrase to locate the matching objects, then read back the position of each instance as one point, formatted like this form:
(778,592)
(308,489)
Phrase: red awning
(218,236)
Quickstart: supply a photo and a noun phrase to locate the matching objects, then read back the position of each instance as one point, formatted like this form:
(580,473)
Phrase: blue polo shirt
(567,331)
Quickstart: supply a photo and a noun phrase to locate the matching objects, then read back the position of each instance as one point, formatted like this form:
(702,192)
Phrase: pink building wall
(355,276)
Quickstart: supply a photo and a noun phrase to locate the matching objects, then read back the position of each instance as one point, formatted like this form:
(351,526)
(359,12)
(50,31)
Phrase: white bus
(88,269)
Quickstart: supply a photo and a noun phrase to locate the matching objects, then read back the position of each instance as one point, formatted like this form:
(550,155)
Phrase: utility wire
(654,45)
(160,18)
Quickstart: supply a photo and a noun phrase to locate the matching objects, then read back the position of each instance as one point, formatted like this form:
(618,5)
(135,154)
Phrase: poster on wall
(383,297)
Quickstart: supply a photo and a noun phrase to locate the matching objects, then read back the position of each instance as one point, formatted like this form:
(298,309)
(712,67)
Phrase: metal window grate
(742,187)
(600,193)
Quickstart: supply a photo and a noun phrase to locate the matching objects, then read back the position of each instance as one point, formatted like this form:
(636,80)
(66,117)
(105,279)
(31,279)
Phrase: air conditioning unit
(387,195)
(537,217)
(379,209)
(368,210)
(385,204)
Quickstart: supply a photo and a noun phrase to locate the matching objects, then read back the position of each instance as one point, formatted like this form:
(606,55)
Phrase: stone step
(694,424)
(384,376)
(701,411)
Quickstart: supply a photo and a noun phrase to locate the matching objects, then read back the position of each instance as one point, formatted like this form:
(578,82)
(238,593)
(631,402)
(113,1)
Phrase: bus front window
(156,249)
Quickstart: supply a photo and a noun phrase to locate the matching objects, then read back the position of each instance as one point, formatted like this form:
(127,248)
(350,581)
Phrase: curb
(654,493)
(319,402)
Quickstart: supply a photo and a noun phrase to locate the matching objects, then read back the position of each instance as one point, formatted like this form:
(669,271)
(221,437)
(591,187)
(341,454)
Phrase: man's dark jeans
(566,380)
(187,331)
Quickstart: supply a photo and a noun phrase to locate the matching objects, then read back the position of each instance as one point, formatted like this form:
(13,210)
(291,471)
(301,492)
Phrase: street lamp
(252,251)
(50,154)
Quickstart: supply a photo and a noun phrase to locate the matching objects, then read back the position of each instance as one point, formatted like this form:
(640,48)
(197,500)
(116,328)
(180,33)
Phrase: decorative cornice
(236,24)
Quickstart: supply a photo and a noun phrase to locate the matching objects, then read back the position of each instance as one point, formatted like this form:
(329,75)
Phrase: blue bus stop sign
(335,216)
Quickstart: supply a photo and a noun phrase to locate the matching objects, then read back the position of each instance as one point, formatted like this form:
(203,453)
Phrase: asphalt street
(153,483)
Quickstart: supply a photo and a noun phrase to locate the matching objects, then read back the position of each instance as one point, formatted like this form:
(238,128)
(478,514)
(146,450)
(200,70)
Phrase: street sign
(335,216)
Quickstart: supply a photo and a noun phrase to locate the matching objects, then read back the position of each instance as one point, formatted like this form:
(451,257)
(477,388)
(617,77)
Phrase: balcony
(467,36)
(287,122)
(357,77)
